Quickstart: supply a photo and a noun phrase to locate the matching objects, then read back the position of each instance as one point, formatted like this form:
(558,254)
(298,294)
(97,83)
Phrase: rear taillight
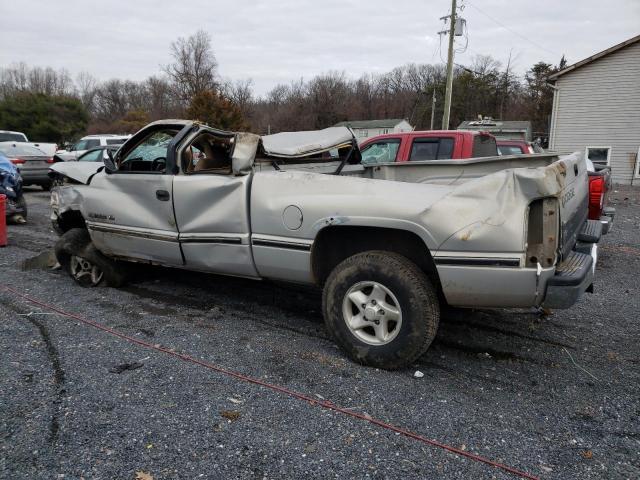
(50,160)
(17,161)
(596,197)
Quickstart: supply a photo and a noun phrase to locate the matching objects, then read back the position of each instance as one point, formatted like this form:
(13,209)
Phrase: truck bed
(439,172)
(503,182)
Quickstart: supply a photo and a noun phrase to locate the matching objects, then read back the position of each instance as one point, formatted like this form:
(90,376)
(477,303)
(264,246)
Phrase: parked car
(428,145)
(98,154)
(518,147)
(89,142)
(471,233)
(9,136)
(33,163)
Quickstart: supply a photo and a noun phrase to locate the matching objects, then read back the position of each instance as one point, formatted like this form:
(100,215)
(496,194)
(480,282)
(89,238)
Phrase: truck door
(129,213)
(212,209)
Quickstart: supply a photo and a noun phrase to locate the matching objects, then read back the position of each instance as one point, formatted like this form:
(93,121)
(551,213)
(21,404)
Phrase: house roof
(502,125)
(384,123)
(595,57)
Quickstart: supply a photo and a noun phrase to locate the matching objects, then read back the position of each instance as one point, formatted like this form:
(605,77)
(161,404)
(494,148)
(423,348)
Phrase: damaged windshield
(381,152)
(150,154)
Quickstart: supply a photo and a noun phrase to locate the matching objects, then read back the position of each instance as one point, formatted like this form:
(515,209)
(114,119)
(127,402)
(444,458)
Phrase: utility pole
(447,95)
(433,108)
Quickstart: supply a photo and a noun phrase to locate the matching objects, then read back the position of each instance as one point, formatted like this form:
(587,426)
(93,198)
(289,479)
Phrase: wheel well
(336,243)
(71,219)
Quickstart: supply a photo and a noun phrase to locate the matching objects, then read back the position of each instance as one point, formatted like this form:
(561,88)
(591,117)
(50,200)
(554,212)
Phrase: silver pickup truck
(388,244)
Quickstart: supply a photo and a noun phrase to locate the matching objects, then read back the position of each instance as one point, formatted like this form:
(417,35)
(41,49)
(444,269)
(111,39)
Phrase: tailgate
(573,199)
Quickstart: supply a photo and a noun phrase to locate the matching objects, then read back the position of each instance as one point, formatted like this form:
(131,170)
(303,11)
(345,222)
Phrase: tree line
(50,105)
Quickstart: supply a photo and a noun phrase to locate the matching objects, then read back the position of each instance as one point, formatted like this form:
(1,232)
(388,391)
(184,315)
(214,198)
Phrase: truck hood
(78,171)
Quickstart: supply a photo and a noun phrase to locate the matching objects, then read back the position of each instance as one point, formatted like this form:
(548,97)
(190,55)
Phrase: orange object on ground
(3,221)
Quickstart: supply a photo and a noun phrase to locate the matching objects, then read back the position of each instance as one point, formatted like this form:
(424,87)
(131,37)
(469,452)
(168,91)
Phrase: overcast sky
(279,41)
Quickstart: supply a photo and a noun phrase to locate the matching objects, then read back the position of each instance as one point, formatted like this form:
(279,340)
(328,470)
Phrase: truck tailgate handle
(162,195)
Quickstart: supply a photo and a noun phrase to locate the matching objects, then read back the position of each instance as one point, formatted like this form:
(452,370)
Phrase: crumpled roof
(300,144)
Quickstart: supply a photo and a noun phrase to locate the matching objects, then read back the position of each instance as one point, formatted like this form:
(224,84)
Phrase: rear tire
(381,309)
(84,263)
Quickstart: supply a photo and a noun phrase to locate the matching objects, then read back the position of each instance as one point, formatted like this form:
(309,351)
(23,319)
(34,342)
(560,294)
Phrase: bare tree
(161,99)
(87,88)
(22,78)
(194,69)
(239,93)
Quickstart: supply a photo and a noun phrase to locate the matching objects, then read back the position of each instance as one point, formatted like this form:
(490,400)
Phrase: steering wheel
(159,164)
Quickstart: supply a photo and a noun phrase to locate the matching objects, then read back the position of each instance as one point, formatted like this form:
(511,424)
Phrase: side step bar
(591,232)
(573,277)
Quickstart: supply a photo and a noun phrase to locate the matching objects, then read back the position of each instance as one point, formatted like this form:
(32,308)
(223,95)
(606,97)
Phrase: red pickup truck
(428,145)
(517,147)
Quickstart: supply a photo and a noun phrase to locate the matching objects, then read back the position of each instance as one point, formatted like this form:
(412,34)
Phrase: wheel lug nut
(364,305)
(373,302)
(377,322)
(380,312)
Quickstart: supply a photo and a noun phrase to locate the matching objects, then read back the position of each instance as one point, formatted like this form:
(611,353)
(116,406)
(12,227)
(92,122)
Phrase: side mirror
(109,163)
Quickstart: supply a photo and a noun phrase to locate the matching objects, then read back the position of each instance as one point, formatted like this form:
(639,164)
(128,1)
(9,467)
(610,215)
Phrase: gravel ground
(555,396)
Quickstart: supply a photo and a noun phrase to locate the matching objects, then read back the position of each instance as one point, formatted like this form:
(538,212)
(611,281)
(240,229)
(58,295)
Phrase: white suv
(89,142)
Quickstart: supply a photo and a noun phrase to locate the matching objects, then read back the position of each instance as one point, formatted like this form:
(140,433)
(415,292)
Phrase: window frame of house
(636,167)
(595,147)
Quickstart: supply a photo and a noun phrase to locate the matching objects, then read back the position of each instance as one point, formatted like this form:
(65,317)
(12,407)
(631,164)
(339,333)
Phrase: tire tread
(423,292)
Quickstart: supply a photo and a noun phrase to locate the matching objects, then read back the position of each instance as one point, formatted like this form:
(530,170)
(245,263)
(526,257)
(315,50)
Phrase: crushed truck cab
(386,242)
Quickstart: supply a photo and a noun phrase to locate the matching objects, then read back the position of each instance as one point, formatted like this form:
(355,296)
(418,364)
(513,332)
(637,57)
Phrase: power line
(511,29)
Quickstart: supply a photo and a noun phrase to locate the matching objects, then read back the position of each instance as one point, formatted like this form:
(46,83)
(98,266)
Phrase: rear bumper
(469,284)
(40,176)
(572,278)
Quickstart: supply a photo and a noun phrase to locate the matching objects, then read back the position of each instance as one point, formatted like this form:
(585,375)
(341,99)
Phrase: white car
(10,136)
(89,142)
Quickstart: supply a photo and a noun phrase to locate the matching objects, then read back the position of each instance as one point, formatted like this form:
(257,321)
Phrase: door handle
(162,195)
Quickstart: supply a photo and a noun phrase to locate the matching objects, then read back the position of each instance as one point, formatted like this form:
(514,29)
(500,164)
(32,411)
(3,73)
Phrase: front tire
(381,309)
(85,264)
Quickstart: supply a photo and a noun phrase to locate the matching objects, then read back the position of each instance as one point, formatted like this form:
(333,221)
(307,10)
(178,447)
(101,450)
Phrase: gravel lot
(555,396)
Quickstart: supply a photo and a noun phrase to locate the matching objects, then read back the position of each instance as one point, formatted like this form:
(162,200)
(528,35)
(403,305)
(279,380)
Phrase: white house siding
(598,104)
(403,126)
(363,134)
